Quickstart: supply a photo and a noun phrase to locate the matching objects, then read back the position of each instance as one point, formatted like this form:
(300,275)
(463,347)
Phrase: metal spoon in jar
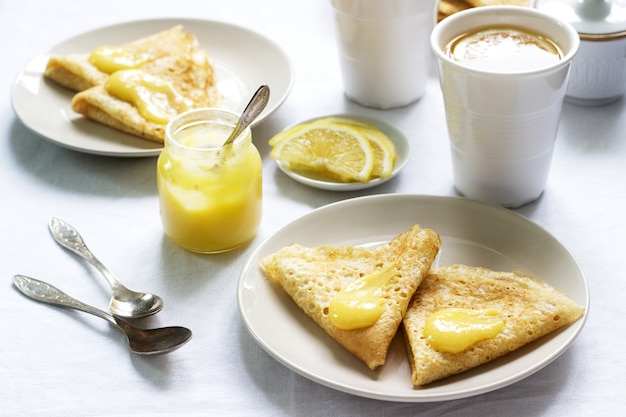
(124,302)
(253,109)
(140,341)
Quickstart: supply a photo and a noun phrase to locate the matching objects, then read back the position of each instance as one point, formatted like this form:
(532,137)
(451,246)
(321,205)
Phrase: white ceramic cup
(384,49)
(502,126)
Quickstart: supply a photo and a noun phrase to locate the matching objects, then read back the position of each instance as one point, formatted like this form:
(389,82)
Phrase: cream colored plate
(243,60)
(402,157)
(472,233)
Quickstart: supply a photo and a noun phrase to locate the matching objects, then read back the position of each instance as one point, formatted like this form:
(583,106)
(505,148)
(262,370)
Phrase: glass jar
(210,195)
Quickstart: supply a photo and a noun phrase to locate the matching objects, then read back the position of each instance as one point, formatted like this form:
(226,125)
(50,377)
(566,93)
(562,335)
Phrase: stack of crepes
(448,7)
(137,87)
(453,318)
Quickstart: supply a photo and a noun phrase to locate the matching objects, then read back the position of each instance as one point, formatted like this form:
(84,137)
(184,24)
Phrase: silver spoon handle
(68,237)
(255,106)
(46,293)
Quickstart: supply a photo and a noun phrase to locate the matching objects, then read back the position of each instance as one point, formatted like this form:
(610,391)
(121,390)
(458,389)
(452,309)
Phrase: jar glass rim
(202,116)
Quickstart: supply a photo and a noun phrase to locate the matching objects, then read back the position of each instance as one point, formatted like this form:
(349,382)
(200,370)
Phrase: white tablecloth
(56,362)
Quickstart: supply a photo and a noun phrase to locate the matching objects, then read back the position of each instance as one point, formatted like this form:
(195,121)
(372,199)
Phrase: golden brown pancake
(75,72)
(313,276)
(478,3)
(449,7)
(172,56)
(191,75)
(531,308)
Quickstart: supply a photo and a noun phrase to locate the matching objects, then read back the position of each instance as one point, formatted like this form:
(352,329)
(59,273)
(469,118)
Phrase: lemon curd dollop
(361,303)
(154,98)
(453,330)
(109,59)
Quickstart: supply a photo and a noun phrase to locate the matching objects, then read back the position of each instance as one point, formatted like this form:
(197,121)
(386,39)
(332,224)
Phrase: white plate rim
(64,128)
(399,139)
(471,383)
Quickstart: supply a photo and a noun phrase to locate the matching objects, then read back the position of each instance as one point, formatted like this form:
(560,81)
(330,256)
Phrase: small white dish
(402,156)
(243,61)
(472,233)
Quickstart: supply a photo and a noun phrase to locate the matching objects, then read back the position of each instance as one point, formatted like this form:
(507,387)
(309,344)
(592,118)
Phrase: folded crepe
(315,276)
(171,73)
(191,76)
(526,308)
(449,7)
(77,72)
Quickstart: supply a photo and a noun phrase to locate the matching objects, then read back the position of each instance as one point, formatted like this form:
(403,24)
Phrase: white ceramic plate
(472,233)
(402,156)
(243,61)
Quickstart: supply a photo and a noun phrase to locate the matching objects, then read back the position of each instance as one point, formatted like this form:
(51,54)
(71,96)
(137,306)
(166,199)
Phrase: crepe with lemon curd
(449,7)
(461,317)
(357,295)
(479,3)
(80,71)
(142,101)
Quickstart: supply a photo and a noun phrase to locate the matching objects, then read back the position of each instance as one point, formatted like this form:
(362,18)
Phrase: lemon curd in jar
(504,50)
(210,195)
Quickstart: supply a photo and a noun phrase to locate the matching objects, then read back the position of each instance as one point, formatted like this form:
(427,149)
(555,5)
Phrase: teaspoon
(141,341)
(255,106)
(124,302)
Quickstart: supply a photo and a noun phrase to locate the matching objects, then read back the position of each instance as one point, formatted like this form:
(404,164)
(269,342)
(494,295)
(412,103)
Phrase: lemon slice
(382,146)
(342,151)
(384,153)
(346,121)
(287,133)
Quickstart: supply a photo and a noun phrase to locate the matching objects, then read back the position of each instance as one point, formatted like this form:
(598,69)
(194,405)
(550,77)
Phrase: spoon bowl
(140,341)
(124,302)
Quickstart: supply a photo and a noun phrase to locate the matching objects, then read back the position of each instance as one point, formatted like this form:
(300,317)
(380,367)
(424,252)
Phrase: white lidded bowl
(598,74)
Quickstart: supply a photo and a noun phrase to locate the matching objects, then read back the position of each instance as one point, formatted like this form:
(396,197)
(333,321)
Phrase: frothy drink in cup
(504,50)
(503,72)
